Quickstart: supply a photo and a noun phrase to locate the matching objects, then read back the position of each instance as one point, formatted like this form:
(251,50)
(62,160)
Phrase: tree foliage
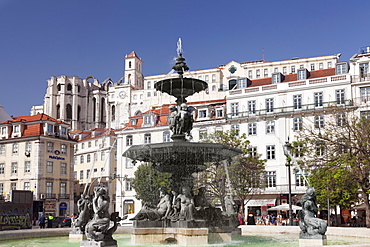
(147,182)
(338,158)
(246,171)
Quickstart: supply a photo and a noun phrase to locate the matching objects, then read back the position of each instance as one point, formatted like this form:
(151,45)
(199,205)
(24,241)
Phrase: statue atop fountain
(181,158)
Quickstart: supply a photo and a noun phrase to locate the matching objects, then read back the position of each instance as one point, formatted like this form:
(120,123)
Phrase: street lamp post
(287,149)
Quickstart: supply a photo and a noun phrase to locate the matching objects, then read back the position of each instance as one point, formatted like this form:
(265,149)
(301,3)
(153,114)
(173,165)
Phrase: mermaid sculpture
(311,227)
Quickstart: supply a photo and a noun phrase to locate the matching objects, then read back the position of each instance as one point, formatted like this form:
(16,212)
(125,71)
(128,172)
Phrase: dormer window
(277,78)
(50,128)
(202,113)
(133,122)
(341,68)
(63,131)
(16,129)
(4,131)
(302,74)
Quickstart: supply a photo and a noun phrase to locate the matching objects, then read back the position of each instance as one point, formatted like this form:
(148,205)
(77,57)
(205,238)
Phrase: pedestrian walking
(42,221)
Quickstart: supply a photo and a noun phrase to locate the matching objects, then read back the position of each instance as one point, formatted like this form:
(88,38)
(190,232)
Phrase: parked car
(126,219)
(62,221)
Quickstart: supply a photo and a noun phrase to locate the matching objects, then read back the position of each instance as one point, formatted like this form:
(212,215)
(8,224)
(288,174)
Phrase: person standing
(50,221)
(42,221)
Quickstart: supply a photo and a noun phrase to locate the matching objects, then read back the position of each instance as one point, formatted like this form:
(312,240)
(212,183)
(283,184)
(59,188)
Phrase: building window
(298,151)
(365,94)
(95,157)
(28,147)
(102,156)
(202,113)
(2,149)
(88,158)
(63,131)
(242,83)
(319,122)
(166,136)
(271,179)
(49,167)
(27,166)
(321,66)
(63,168)
(252,129)
(16,129)
(75,175)
(147,138)
(88,173)
(269,105)
(341,119)
(265,73)
(206,78)
(49,189)
(149,85)
(297,124)
(63,188)
(258,73)
(134,122)
(284,70)
(270,127)
(253,151)
(299,180)
(50,147)
(202,134)
(292,69)
(276,78)
(341,68)
(82,160)
(50,128)
(14,167)
(63,149)
(270,152)
(147,119)
(250,74)
(365,114)
(15,148)
(4,131)
(13,186)
(213,77)
(364,70)
(301,66)
(329,65)
(235,128)
(320,149)
(219,113)
(2,168)
(339,96)
(302,74)
(312,66)
(1,188)
(318,99)
(297,101)
(234,109)
(27,186)
(128,185)
(129,140)
(81,174)
(251,106)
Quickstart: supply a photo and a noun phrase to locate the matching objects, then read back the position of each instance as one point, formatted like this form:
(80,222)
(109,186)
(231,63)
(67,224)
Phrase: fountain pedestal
(179,236)
(306,242)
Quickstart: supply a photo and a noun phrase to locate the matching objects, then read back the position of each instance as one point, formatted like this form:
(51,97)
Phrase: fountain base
(93,243)
(179,236)
(306,242)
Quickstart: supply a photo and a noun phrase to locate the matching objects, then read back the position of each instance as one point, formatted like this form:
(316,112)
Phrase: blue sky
(44,38)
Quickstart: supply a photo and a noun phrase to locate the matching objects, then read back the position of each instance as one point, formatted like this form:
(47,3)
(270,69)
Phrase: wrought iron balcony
(291,109)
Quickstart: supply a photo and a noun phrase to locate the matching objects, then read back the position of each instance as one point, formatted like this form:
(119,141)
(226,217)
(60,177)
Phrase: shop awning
(261,202)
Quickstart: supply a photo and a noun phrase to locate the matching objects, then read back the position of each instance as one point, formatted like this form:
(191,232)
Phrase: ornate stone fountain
(184,218)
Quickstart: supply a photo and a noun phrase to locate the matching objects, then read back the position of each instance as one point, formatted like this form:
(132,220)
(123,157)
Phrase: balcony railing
(63,196)
(291,109)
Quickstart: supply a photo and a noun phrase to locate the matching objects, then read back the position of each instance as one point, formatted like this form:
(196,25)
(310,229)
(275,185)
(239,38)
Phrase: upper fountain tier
(181,87)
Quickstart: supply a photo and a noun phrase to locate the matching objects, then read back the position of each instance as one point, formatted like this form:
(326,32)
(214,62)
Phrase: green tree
(147,182)
(340,155)
(246,171)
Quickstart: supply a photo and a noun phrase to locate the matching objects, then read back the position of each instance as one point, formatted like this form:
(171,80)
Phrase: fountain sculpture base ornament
(95,221)
(312,229)
(181,216)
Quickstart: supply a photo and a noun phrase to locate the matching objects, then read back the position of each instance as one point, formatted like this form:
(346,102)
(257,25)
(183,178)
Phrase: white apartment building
(269,101)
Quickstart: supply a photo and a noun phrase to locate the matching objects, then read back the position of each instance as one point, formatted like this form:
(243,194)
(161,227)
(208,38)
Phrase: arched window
(78,88)
(113,112)
(137,113)
(69,87)
(69,112)
(58,87)
(58,111)
(129,65)
(102,110)
(78,113)
(94,109)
